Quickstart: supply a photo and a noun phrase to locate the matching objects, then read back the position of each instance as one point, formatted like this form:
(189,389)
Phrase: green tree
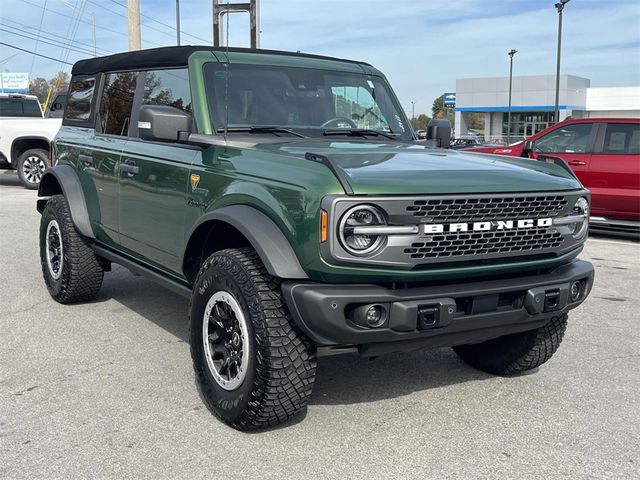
(60,82)
(420,122)
(40,88)
(439,111)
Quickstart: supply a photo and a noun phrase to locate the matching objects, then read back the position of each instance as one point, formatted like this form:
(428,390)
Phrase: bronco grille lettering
(487,226)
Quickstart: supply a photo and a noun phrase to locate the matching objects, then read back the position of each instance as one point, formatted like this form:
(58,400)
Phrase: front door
(154,178)
(573,143)
(153,200)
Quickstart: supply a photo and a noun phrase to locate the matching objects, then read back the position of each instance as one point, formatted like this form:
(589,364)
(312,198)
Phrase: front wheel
(31,166)
(254,368)
(517,353)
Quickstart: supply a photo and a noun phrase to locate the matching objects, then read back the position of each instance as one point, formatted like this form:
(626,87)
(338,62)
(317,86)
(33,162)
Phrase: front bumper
(436,315)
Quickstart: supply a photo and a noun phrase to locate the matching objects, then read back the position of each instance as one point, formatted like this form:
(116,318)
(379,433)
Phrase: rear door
(614,171)
(573,142)
(101,165)
(155,178)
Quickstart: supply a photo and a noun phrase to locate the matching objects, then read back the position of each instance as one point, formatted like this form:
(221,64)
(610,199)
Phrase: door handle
(577,163)
(86,160)
(129,169)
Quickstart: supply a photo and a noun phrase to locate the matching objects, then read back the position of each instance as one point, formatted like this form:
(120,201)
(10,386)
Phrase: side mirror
(439,130)
(162,123)
(56,106)
(528,147)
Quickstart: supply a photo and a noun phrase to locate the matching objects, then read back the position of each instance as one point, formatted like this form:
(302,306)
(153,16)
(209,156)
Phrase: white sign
(13,82)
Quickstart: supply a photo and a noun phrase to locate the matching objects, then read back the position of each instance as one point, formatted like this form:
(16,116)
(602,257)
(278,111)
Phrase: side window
(79,99)
(566,139)
(116,103)
(622,138)
(168,87)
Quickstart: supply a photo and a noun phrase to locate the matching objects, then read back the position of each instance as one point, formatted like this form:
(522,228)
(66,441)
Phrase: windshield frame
(312,131)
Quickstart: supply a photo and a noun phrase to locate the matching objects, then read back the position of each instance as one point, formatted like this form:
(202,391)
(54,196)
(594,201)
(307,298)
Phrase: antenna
(226,77)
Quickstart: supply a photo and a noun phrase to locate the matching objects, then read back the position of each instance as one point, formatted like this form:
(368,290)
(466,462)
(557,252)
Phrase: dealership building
(533,103)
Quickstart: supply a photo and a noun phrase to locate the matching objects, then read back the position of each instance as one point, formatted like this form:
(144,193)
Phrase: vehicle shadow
(351,379)
(166,309)
(9,179)
(341,379)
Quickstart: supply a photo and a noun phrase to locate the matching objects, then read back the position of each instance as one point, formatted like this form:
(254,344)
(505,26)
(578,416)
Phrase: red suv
(605,155)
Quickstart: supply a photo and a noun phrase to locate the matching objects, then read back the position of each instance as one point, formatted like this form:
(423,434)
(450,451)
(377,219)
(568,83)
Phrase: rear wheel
(517,353)
(71,270)
(31,166)
(255,369)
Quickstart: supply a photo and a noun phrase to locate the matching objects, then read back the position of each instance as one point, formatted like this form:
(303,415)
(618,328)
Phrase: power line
(34,53)
(106,29)
(33,59)
(52,36)
(163,24)
(78,50)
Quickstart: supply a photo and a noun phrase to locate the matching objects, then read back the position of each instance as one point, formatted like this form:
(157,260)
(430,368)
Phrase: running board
(153,275)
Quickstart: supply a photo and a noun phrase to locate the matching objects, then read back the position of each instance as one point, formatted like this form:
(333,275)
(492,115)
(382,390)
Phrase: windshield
(306,101)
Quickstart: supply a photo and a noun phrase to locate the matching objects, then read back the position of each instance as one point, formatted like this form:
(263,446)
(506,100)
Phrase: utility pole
(93,20)
(413,110)
(133,16)
(178,22)
(511,53)
(559,6)
(220,10)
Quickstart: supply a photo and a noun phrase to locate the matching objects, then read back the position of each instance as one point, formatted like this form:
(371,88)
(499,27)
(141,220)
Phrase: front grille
(453,210)
(485,243)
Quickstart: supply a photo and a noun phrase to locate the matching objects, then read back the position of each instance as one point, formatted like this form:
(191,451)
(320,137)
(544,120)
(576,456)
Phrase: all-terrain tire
(281,366)
(77,275)
(31,166)
(517,353)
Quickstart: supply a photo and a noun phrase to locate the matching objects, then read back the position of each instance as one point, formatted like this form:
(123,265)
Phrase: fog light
(575,291)
(375,316)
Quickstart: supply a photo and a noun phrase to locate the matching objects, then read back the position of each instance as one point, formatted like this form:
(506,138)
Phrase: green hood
(378,168)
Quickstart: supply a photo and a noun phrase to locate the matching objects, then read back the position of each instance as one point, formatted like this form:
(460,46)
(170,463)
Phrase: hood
(394,168)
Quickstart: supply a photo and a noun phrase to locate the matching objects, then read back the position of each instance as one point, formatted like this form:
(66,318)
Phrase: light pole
(559,6)
(511,53)
(178,22)
(413,110)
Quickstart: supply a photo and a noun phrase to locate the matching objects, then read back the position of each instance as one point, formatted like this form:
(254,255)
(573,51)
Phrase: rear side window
(79,99)
(622,138)
(566,139)
(17,107)
(168,87)
(117,102)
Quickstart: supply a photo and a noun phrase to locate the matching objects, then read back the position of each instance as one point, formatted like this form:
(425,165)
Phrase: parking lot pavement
(106,389)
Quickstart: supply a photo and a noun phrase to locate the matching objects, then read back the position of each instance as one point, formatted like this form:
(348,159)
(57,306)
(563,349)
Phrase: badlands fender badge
(487,226)
(195,179)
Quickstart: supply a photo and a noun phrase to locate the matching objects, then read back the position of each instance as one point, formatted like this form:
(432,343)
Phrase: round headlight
(581,207)
(361,216)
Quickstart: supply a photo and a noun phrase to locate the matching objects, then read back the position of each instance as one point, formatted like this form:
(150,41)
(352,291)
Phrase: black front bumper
(437,315)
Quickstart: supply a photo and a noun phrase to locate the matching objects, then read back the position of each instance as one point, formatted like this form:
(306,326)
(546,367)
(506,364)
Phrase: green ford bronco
(286,195)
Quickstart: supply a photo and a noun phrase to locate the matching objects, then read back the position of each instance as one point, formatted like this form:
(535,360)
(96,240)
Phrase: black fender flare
(272,246)
(14,158)
(66,177)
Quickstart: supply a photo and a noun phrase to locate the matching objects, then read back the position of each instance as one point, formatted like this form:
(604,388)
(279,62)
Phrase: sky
(421,46)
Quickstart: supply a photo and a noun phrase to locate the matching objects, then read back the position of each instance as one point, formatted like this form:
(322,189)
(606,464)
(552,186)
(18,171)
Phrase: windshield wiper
(263,129)
(361,132)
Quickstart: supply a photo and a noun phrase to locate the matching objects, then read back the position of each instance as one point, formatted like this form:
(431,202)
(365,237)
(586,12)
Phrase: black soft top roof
(164,57)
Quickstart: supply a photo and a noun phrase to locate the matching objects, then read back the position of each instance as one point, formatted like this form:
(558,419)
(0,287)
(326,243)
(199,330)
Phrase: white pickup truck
(25,137)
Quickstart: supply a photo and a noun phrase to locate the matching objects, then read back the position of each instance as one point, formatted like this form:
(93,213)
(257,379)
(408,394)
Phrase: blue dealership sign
(449,99)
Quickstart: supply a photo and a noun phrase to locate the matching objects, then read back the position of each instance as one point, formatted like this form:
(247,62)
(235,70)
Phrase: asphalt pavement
(106,389)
